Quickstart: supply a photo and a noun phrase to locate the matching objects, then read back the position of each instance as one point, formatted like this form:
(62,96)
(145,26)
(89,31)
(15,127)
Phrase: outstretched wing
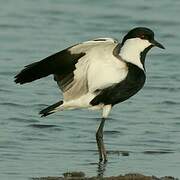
(60,63)
(83,68)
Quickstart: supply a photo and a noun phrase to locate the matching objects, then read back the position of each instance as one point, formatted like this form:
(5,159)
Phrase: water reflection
(101,168)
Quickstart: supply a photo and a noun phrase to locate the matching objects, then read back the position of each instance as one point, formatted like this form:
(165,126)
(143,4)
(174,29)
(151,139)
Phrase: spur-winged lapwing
(96,74)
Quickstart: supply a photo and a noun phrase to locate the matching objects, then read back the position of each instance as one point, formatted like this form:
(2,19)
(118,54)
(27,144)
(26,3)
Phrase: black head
(144,34)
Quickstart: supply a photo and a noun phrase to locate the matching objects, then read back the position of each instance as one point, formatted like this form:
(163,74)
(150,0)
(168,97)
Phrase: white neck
(132,49)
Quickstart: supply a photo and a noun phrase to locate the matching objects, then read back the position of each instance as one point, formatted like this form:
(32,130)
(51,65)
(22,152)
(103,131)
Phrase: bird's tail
(50,109)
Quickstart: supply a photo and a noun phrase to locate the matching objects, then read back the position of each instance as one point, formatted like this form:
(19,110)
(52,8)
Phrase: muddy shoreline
(82,176)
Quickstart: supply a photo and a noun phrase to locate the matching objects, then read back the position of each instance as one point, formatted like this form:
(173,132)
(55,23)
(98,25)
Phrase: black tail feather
(49,110)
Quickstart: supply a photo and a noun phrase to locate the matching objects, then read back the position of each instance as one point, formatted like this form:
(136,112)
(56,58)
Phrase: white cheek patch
(131,50)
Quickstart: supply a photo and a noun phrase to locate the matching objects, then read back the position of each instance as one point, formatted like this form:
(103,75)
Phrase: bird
(96,74)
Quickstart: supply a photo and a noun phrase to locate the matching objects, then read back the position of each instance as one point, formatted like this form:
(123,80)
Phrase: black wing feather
(60,63)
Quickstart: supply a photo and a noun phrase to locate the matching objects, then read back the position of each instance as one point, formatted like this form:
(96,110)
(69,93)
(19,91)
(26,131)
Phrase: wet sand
(81,176)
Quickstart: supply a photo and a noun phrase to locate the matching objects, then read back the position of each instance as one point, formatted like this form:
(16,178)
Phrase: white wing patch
(105,69)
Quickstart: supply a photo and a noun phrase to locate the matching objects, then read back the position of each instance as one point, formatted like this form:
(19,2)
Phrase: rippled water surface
(147,125)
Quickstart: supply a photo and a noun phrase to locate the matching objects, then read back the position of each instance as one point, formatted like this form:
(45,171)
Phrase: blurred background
(147,125)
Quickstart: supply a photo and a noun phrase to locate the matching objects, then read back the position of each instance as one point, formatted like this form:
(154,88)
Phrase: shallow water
(147,125)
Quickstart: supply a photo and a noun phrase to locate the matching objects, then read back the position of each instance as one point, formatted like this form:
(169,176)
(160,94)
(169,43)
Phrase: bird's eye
(142,36)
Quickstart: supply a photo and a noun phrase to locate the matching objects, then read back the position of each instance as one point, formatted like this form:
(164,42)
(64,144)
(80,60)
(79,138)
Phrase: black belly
(123,90)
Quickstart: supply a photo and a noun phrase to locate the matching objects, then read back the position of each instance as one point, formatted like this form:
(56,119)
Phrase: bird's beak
(155,43)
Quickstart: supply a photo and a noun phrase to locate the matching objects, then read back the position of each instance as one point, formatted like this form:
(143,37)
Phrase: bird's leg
(99,134)
(100,143)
